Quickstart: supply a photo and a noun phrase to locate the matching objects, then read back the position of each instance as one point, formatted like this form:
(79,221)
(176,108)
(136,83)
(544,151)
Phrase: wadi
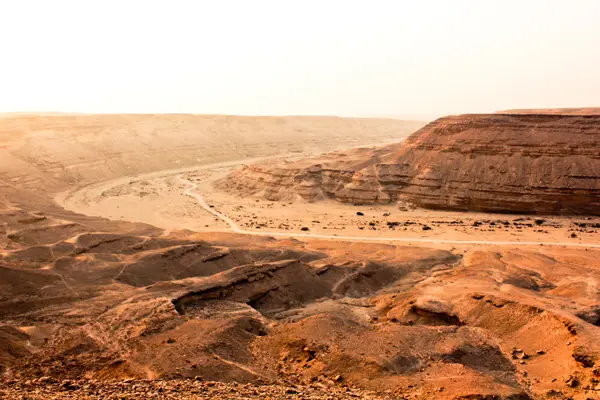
(211,256)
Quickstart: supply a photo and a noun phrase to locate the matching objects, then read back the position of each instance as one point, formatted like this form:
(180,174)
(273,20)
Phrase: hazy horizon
(380,59)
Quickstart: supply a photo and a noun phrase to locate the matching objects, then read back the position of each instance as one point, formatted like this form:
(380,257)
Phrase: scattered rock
(519,354)
(572,381)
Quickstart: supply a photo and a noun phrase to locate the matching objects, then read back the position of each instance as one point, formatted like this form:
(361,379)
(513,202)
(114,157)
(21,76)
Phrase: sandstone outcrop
(545,164)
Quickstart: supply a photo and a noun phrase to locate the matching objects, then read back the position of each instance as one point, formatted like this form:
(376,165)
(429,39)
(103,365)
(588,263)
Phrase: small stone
(519,354)
(67,385)
(572,381)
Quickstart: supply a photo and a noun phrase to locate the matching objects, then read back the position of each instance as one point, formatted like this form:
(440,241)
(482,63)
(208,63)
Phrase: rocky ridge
(545,164)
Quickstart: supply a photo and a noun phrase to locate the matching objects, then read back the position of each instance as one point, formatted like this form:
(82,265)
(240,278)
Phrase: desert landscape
(316,200)
(190,256)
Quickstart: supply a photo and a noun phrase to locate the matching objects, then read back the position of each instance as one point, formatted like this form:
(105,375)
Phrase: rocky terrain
(47,388)
(544,164)
(99,308)
(127,302)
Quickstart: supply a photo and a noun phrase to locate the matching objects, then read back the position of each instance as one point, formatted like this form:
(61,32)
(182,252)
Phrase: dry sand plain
(136,290)
(163,201)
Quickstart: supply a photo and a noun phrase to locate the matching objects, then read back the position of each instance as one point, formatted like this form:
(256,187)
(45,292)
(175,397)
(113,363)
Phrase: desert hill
(547,164)
(53,152)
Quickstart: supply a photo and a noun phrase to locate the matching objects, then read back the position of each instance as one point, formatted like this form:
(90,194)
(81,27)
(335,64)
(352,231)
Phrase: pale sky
(349,58)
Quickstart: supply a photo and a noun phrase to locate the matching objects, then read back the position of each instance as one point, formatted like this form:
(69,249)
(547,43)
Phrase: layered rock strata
(546,164)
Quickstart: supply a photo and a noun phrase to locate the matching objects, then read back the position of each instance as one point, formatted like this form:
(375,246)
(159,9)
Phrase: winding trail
(190,191)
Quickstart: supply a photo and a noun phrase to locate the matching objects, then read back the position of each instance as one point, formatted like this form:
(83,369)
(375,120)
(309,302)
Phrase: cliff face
(501,163)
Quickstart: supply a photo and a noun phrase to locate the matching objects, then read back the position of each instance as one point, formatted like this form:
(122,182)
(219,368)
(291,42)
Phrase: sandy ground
(161,201)
(155,198)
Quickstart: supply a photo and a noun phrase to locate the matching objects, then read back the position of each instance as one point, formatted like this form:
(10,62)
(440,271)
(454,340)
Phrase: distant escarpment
(55,152)
(545,164)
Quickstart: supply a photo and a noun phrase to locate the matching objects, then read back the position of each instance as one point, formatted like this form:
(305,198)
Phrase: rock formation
(546,164)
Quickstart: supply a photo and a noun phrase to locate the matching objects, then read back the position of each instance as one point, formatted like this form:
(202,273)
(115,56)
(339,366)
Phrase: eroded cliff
(547,164)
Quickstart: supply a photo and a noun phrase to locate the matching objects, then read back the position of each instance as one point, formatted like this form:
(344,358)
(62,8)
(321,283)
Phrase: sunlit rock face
(546,164)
